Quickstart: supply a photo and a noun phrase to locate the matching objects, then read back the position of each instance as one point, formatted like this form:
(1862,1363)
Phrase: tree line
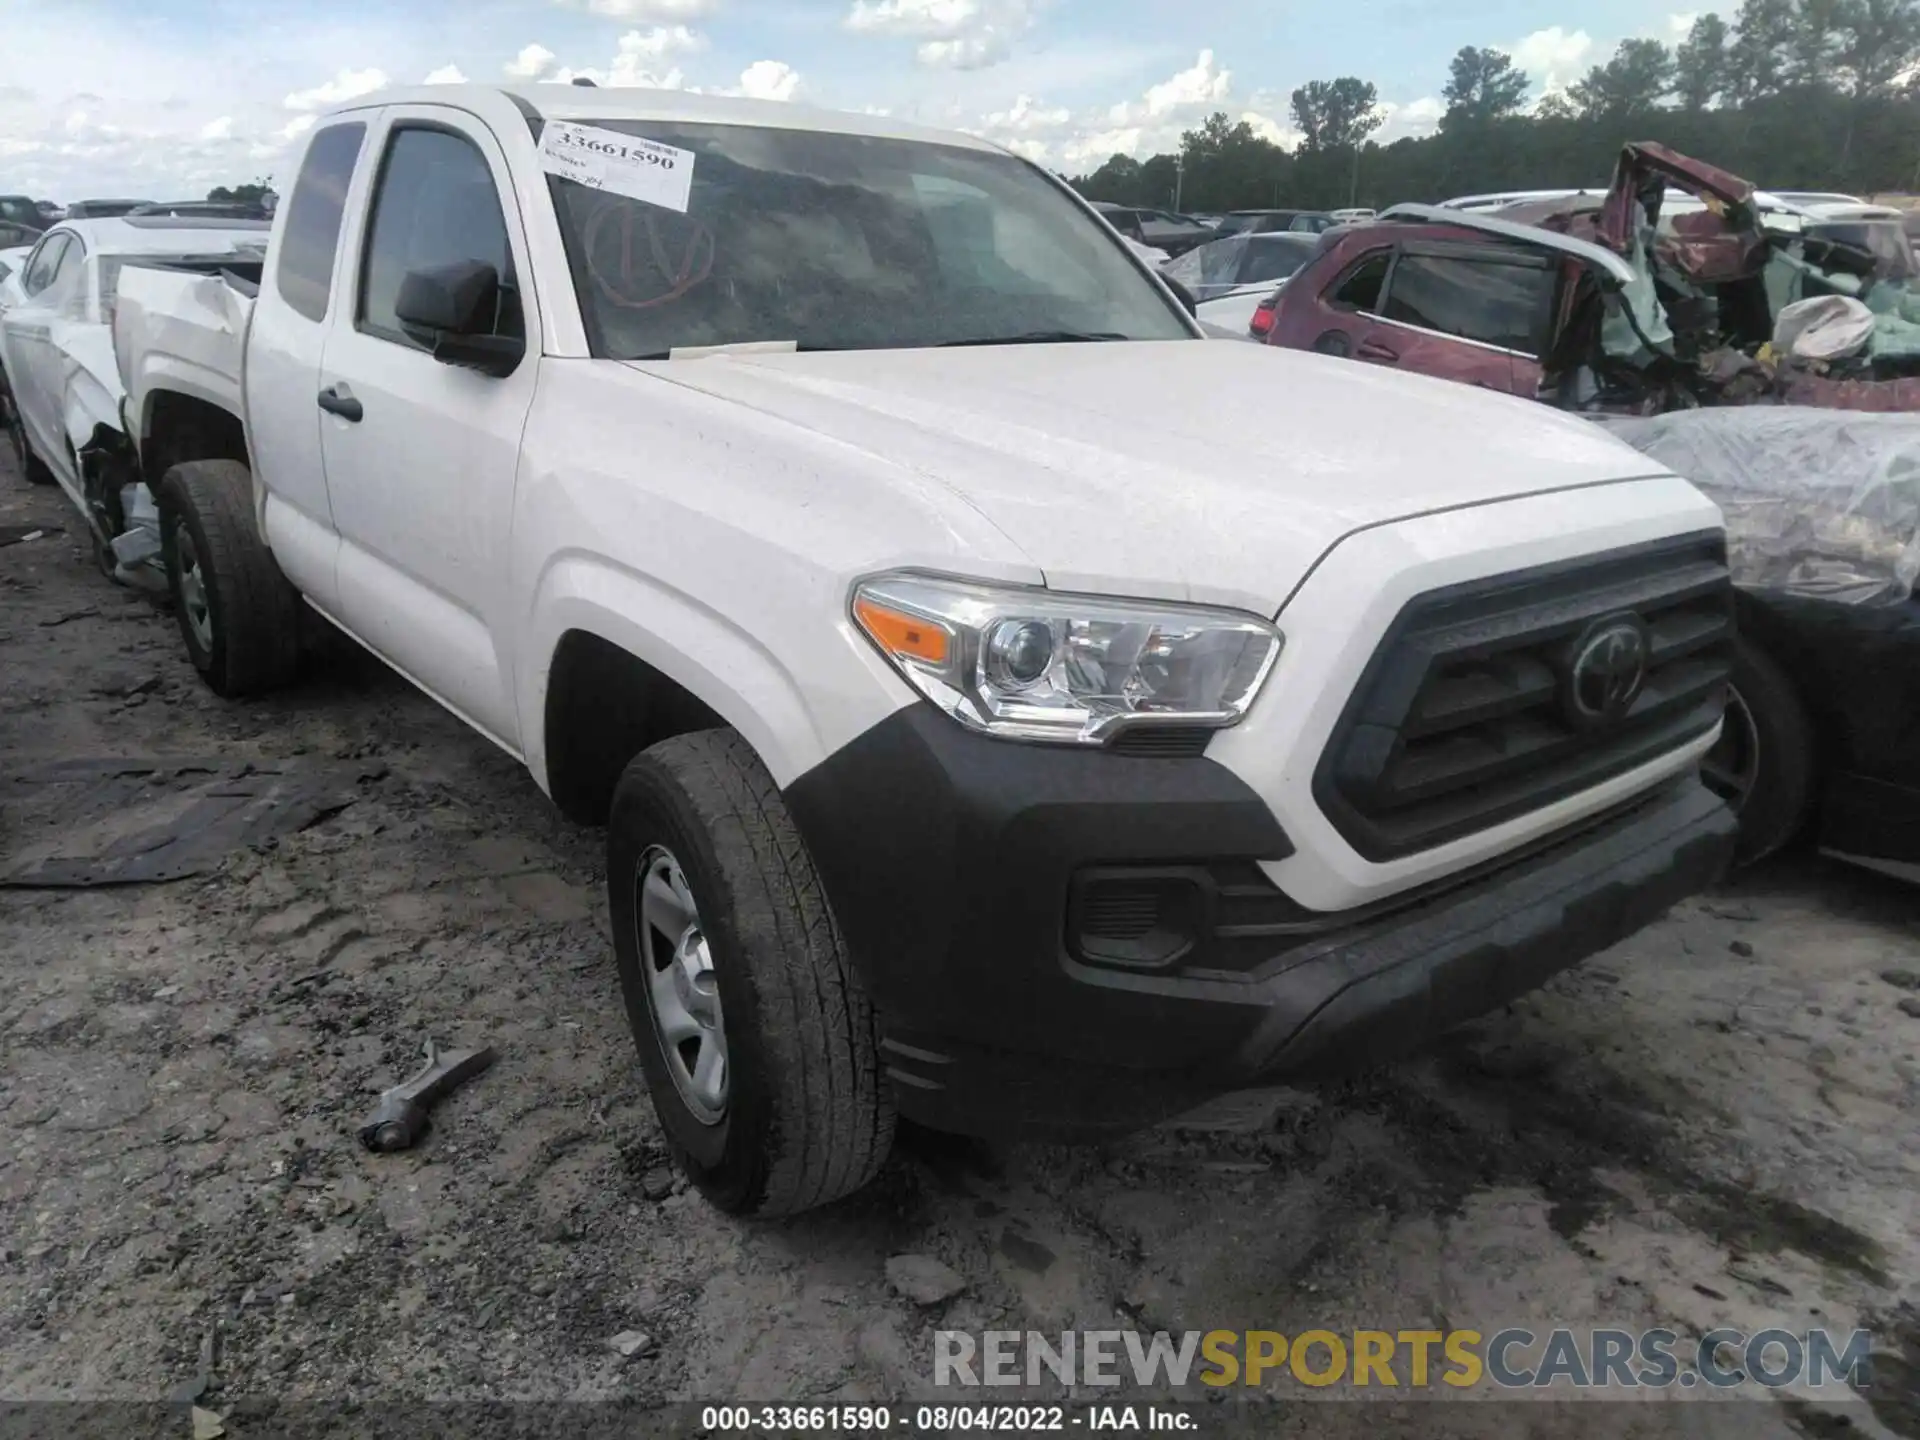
(1792,94)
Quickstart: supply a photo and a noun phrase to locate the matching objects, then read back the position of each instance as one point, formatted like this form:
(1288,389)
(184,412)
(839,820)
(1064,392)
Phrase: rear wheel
(756,1036)
(238,615)
(30,465)
(1763,763)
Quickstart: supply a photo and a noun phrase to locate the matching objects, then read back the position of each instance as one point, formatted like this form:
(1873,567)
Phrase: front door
(421,456)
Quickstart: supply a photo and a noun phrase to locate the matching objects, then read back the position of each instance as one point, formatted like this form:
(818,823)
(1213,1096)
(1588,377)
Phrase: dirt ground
(1711,1125)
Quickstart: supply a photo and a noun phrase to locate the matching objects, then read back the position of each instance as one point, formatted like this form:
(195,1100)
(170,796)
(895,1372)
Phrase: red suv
(1662,295)
(1443,299)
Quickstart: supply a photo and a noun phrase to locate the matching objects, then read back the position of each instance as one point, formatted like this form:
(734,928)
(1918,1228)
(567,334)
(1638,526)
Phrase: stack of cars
(1677,295)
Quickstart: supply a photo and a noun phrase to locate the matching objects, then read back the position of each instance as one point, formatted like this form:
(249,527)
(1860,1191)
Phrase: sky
(167,98)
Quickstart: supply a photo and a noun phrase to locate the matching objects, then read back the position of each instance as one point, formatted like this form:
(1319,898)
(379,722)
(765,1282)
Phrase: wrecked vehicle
(60,390)
(1677,288)
(1823,538)
(991,727)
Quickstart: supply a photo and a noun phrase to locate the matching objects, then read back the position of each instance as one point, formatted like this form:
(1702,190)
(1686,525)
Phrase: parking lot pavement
(1712,1125)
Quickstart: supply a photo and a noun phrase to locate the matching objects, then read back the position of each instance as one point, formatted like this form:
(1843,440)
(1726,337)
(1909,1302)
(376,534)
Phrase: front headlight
(1033,665)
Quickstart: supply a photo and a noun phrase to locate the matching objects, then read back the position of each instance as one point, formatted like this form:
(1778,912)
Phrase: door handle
(1374,350)
(338,400)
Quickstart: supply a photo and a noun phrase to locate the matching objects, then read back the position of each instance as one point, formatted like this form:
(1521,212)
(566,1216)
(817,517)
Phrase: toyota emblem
(1607,673)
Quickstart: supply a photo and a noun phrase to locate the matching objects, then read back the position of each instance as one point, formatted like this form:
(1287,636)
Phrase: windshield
(1885,240)
(826,241)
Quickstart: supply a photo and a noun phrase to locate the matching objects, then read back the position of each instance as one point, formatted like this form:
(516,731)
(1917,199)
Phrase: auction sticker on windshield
(621,164)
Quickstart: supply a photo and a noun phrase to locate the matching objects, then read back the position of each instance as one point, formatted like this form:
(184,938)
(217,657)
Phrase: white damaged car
(60,390)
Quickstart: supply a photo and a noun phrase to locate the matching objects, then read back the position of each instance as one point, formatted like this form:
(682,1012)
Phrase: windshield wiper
(1037,337)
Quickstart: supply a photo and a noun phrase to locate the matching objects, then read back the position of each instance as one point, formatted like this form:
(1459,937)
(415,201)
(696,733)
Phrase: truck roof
(591,105)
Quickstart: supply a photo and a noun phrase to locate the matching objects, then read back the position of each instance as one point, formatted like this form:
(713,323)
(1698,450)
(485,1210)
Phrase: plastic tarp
(1820,503)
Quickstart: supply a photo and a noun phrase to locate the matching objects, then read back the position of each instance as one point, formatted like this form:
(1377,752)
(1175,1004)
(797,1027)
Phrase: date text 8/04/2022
(944,1419)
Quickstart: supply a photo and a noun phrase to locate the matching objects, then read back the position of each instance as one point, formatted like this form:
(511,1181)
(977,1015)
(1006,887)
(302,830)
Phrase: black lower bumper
(954,864)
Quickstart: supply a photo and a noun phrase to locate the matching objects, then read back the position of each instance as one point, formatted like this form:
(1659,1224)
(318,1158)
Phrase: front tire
(31,466)
(1763,765)
(239,617)
(729,956)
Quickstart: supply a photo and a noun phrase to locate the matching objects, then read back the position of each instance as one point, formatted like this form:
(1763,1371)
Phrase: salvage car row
(991,726)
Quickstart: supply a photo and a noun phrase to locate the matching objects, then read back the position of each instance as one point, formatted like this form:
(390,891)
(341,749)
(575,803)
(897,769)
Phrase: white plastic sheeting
(1822,503)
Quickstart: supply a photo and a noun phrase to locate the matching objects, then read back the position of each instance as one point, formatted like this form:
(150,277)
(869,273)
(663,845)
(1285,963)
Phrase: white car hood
(1174,470)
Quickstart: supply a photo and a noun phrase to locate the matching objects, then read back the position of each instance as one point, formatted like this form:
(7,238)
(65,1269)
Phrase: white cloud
(445,75)
(1026,114)
(297,127)
(652,12)
(530,64)
(1411,120)
(347,85)
(661,41)
(952,34)
(1272,131)
(1679,25)
(1201,84)
(1553,58)
(221,129)
(769,80)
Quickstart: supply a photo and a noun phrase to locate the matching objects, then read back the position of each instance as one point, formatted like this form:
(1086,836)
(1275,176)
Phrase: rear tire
(804,1116)
(1764,762)
(32,468)
(239,617)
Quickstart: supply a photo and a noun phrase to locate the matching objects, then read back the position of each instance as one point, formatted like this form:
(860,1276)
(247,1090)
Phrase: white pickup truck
(1008,709)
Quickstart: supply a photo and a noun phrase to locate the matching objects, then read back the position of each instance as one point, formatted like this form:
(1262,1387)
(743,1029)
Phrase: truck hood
(1184,470)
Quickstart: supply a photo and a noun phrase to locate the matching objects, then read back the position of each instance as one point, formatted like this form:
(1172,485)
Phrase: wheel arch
(623,663)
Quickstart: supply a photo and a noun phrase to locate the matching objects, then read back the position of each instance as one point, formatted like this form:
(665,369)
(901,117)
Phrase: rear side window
(311,236)
(1361,289)
(436,205)
(1273,260)
(44,261)
(1496,302)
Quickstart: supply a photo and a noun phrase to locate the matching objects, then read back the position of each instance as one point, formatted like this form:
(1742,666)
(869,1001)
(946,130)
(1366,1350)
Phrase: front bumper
(952,861)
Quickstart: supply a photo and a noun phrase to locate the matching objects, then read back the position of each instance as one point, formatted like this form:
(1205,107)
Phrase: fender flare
(726,668)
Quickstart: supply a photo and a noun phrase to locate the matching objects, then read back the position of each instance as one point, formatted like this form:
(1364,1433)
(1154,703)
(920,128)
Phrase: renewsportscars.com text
(1506,1359)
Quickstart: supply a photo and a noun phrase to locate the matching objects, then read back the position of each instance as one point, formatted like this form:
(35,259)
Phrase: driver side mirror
(452,311)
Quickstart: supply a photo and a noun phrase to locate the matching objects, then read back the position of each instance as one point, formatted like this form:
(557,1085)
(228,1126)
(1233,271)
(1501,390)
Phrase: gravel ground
(1711,1125)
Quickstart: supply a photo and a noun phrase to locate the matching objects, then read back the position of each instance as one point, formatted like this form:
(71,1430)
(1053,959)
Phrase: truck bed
(182,326)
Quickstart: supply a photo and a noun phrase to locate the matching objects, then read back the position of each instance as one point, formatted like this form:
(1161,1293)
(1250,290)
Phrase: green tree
(1117,181)
(1229,166)
(1880,41)
(1757,61)
(1702,65)
(1483,87)
(1335,114)
(249,194)
(1631,84)
(1815,43)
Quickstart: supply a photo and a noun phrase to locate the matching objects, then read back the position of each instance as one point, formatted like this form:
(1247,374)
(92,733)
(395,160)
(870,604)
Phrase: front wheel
(239,617)
(1763,764)
(32,468)
(756,1036)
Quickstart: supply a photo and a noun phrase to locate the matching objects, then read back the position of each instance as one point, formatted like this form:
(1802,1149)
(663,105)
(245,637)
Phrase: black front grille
(1463,718)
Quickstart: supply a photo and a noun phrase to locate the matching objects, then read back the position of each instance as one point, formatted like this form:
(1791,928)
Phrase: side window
(1497,302)
(1361,288)
(43,262)
(311,236)
(436,204)
(66,270)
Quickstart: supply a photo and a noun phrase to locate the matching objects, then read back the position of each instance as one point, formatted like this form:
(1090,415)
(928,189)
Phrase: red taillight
(1262,321)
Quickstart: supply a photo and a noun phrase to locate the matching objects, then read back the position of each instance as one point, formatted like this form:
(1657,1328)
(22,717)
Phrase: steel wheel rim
(1732,767)
(683,993)
(193,587)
